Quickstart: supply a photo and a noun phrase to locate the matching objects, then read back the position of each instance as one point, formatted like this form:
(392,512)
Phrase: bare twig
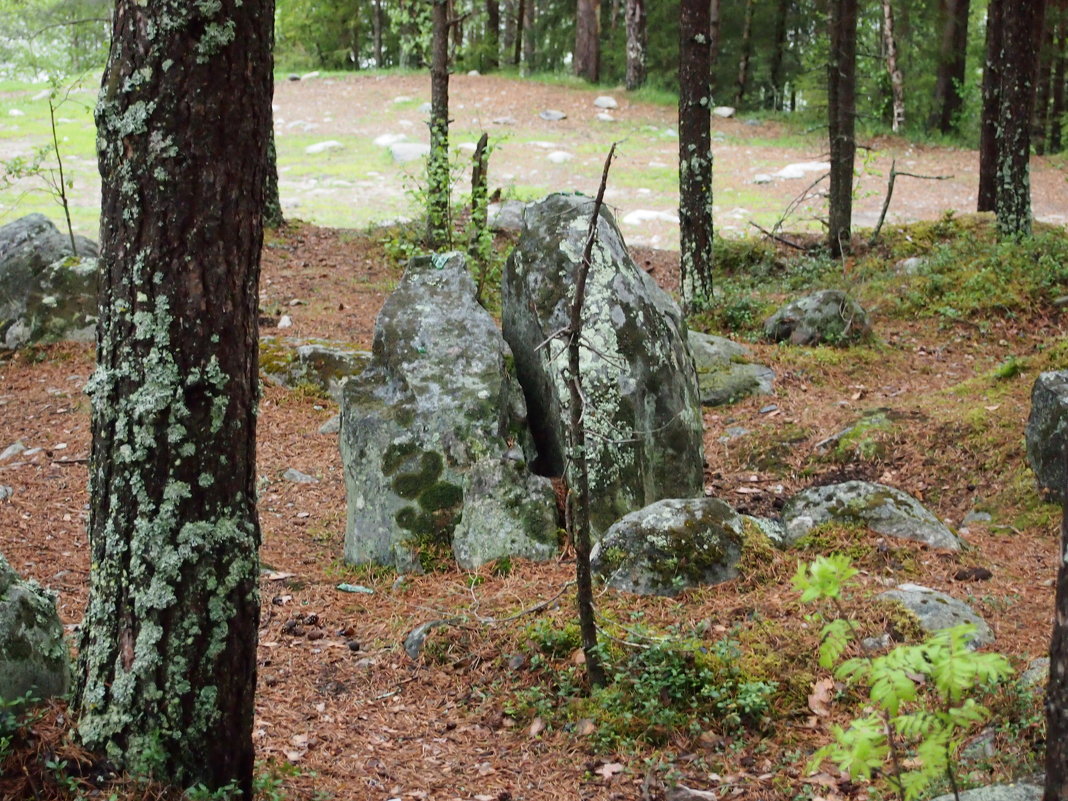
(777,238)
(890,193)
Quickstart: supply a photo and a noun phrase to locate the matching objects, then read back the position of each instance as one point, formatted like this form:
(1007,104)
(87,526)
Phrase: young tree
(1059,62)
(588,40)
(493,33)
(841,117)
(897,80)
(747,51)
(988,150)
(695,154)
(167,657)
(530,41)
(952,63)
(774,98)
(438,223)
(636,42)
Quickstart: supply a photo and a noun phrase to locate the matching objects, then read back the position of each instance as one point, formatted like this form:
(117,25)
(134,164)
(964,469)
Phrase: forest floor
(494,707)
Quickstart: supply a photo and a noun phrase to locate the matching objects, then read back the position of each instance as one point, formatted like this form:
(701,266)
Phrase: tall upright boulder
(433,434)
(643,415)
(1046,434)
(47,289)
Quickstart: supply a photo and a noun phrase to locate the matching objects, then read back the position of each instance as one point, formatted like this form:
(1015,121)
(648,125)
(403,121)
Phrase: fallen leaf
(537,726)
(609,769)
(578,657)
(585,727)
(819,700)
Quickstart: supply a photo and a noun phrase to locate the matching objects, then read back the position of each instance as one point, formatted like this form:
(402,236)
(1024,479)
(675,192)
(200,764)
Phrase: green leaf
(834,638)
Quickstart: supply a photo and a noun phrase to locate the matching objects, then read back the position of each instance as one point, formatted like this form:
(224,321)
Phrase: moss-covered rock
(47,290)
(642,415)
(724,372)
(1047,429)
(829,316)
(433,435)
(670,546)
(324,366)
(885,510)
(935,611)
(34,657)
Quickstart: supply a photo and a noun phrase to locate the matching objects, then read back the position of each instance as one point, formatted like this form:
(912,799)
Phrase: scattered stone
(34,657)
(643,416)
(771,407)
(670,546)
(910,266)
(17,113)
(976,517)
(293,77)
(506,216)
(973,574)
(762,178)
(1061,301)
(307,76)
(467,147)
(752,122)
(323,366)
(12,450)
(426,108)
(552,115)
(297,477)
(885,510)
(723,112)
(772,529)
(504,120)
(829,316)
(802,169)
(1045,432)
(680,792)
(724,373)
(323,147)
(731,432)
(425,434)
(356,588)
(285,321)
(604,116)
(861,438)
(385,140)
(331,426)
(47,294)
(403,152)
(402,99)
(473,73)
(997,792)
(936,611)
(413,643)
(874,645)
(42,95)
(560,157)
(1036,674)
(606,102)
(639,216)
(6,492)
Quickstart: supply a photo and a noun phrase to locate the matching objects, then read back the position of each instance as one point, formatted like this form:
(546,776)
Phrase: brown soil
(355,718)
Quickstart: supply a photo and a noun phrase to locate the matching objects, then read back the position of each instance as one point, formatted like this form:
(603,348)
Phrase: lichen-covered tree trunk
(636,43)
(776,88)
(695,155)
(1012,201)
(530,40)
(952,62)
(897,80)
(1044,87)
(1060,61)
(588,40)
(167,656)
(746,53)
(493,33)
(841,117)
(1056,788)
(988,128)
(377,24)
(438,224)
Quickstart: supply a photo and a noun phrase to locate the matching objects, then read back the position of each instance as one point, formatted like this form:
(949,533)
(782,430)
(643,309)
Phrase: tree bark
(713,33)
(588,40)
(530,41)
(377,33)
(695,154)
(1056,788)
(272,203)
(897,80)
(493,33)
(988,139)
(1060,60)
(841,113)
(1044,86)
(746,54)
(167,654)
(520,16)
(438,224)
(636,43)
(1012,201)
(952,64)
(774,100)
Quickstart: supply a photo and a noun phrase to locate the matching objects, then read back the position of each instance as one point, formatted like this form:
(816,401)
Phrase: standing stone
(1045,433)
(643,418)
(829,316)
(429,434)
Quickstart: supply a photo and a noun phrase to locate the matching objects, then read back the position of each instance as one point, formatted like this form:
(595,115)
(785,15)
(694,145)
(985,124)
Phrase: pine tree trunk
(588,40)
(695,155)
(774,100)
(746,54)
(1056,788)
(1023,30)
(530,41)
(438,224)
(377,22)
(841,112)
(520,16)
(493,33)
(167,656)
(272,203)
(952,64)
(1060,59)
(897,80)
(988,130)
(1043,87)
(713,39)
(636,41)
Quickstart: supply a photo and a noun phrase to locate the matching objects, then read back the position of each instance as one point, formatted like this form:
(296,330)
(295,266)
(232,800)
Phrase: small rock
(723,112)
(309,75)
(506,216)
(323,147)
(606,102)
(604,116)
(552,115)
(473,73)
(733,432)
(17,113)
(357,588)
(404,152)
(285,321)
(426,108)
(936,611)
(293,77)
(402,99)
(771,407)
(973,574)
(802,169)
(5,492)
(762,178)
(467,147)
(385,140)
(639,216)
(331,426)
(753,123)
(827,316)
(560,157)
(12,450)
(297,477)
(997,792)
(1036,674)
(976,517)
(910,266)
(504,120)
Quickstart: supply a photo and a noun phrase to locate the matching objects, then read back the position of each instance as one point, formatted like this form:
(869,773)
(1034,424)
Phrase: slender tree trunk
(1057,111)
(841,112)
(636,42)
(508,30)
(713,34)
(1012,204)
(774,100)
(1044,86)
(438,223)
(520,16)
(1056,788)
(530,42)
(613,17)
(272,204)
(988,130)
(897,80)
(952,64)
(588,40)
(695,155)
(376,21)
(456,26)
(747,51)
(167,655)
(493,33)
